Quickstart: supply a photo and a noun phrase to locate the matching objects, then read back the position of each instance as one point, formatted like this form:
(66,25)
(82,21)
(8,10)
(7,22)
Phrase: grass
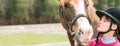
(29,38)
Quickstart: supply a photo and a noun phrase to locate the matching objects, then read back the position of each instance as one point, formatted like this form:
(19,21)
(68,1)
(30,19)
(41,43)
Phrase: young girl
(108,28)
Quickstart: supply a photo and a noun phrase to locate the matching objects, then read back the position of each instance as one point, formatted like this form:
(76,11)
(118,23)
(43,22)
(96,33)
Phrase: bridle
(70,25)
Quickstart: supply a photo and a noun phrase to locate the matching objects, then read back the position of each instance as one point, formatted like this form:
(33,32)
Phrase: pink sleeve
(92,42)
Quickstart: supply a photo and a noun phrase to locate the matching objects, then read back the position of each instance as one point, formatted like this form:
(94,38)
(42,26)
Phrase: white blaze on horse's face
(82,22)
(79,7)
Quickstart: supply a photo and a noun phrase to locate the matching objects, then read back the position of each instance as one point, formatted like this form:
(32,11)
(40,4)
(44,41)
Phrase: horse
(76,18)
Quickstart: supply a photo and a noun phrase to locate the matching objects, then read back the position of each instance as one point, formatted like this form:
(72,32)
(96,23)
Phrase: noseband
(70,25)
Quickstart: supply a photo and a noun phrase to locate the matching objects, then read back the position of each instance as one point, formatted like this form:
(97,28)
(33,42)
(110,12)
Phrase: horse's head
(74,20)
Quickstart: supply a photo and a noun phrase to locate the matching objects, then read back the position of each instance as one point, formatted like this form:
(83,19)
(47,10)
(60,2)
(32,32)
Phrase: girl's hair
(118,33)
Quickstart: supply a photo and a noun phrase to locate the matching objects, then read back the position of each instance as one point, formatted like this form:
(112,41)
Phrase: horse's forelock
(68,9)
(64,1)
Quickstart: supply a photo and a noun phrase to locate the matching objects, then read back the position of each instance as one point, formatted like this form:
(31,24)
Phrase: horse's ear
(64,1)
(86,2)
(89,2)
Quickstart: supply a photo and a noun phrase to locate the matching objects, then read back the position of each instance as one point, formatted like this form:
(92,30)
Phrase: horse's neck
(91,14)
(93,18)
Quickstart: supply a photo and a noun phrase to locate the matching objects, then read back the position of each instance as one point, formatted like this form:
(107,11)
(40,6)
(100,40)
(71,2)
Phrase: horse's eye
(67,5)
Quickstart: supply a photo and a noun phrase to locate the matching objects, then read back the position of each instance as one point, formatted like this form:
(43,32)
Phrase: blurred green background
(28,11)
(103,4)
(29,39)
(38,11)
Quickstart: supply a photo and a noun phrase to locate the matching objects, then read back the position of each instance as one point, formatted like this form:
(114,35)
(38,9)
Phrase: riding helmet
(113,13)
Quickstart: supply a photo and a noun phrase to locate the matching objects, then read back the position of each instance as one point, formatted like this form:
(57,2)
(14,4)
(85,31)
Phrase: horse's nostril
(81,32)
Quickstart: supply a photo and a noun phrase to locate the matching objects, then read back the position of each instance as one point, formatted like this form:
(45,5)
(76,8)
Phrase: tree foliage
(103,4)
(45,8)
(38,10)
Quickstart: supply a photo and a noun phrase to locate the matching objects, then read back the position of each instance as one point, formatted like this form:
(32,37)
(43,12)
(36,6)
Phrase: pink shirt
(93,42)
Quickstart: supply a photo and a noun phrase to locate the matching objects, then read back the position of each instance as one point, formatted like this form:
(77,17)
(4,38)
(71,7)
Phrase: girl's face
(103,24)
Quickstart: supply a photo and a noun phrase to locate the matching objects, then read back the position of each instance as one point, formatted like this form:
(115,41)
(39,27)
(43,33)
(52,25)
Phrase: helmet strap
(110,29)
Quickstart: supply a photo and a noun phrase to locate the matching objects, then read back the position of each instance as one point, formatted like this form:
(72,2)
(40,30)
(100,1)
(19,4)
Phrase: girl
(108,28)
